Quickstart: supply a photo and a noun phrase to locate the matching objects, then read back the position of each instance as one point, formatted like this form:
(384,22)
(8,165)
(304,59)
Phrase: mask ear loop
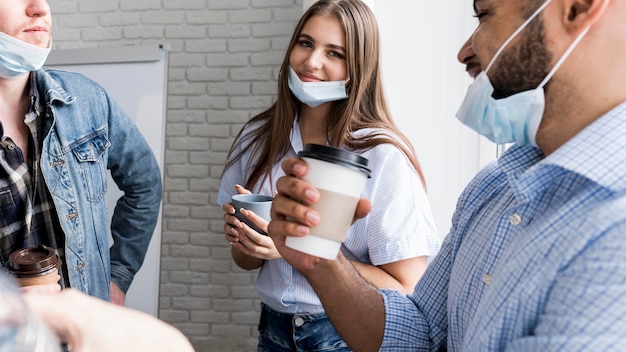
(517,31)
(564,56)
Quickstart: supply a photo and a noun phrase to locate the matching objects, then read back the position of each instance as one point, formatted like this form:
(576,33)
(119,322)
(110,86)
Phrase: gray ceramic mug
(258,203)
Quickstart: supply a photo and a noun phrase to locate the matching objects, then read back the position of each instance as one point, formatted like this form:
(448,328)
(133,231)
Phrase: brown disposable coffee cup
(34,266)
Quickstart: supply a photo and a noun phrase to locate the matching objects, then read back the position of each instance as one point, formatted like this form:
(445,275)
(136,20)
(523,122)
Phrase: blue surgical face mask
(512,119)
(316,93)
(18,58)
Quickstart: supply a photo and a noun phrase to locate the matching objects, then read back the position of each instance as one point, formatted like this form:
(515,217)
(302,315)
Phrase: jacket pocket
(90,156)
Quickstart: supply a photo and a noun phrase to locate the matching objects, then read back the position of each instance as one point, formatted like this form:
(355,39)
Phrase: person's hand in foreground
(90,324)
(292,202)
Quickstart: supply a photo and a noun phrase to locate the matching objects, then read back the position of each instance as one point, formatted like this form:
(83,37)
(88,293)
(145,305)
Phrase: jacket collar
(51,89)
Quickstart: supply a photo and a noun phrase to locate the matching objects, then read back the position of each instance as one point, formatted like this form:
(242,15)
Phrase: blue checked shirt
(535,259)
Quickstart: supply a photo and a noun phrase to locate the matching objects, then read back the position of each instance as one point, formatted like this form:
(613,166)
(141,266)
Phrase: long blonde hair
(365,107)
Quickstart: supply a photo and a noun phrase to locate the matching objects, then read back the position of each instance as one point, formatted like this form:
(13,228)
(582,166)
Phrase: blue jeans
(297,332)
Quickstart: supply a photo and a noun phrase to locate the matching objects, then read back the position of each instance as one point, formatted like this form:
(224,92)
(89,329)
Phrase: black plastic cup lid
(33,261)
(336,156)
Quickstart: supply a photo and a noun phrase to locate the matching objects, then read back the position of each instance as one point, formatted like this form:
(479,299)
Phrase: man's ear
(581,14)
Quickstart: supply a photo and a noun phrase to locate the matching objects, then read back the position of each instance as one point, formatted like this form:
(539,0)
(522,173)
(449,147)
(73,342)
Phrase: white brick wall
(223,62)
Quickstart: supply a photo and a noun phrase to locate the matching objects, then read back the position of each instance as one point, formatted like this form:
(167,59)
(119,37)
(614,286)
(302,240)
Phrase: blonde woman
(329,92)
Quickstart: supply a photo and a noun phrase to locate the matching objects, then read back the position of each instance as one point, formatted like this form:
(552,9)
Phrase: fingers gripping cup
(34,266)
(340,177)
(258,203)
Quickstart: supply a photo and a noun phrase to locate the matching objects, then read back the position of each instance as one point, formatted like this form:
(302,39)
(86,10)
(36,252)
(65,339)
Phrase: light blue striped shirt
(400,225)
(536,256)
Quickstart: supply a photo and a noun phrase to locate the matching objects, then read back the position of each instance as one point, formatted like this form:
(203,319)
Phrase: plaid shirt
(27,216)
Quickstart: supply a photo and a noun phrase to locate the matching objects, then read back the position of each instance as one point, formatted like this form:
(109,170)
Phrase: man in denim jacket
(60,133)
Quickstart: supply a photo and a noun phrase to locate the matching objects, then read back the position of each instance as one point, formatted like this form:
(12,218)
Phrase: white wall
(425,85)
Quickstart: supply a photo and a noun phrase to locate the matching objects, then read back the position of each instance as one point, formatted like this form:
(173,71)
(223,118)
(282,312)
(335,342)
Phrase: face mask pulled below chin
(512,119)
(515,118)
(18,58)
(315,94)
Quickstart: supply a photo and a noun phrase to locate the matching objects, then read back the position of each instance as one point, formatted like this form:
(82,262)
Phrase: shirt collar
(34,109)
(296,137)
(598,152)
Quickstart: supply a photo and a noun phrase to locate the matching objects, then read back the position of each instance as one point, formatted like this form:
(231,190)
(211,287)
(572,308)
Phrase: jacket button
(79,266)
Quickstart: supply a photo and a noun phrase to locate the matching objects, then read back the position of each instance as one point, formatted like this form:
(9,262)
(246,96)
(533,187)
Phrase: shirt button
(298,322)
(486,279)
(515,219)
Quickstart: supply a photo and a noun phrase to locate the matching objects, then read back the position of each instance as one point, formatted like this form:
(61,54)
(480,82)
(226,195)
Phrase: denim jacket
(86,134)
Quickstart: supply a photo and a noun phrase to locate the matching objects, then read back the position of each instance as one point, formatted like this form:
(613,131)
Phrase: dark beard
(524,65)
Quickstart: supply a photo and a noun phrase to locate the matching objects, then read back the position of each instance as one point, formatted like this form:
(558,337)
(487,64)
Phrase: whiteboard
(136,77)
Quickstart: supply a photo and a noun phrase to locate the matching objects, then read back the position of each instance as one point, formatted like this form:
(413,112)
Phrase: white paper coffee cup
(340,177)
